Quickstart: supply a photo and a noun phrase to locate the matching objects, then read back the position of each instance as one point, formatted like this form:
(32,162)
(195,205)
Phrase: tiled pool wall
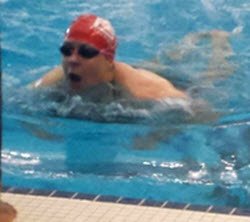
(129,201)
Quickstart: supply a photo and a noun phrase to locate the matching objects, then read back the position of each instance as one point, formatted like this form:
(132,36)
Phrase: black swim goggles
(83,50)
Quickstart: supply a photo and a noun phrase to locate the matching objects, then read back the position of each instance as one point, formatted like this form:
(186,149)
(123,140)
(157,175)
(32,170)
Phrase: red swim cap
(94,31)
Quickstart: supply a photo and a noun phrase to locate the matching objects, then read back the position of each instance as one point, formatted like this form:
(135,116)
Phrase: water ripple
(19,158)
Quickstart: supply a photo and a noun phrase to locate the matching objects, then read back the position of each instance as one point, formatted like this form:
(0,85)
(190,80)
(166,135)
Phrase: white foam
(208,4)
(237,30)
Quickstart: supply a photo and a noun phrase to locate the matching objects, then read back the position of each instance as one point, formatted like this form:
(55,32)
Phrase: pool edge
(129,201)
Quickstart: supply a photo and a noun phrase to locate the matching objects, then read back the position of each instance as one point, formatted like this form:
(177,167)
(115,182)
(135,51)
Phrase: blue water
(124,148)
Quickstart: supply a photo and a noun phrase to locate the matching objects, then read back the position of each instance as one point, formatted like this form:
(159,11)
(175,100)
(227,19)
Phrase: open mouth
(74,77)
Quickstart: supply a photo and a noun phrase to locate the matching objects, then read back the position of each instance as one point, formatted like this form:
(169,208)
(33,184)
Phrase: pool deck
(36,208)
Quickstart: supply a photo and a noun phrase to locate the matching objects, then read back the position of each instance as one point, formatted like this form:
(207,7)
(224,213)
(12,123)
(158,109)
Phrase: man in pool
(88,62)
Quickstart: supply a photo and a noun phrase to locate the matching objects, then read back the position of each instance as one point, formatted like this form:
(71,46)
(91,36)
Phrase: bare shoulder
(144,84)
(50,78)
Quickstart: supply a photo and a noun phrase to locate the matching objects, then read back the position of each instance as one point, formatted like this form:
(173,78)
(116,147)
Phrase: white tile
(43,209)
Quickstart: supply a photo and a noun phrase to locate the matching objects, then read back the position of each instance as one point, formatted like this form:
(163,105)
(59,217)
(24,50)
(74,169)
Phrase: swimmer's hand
(219,33)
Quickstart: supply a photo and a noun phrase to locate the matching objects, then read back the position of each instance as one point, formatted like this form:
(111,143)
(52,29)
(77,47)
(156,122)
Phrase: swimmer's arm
(221,50)
(186,45)
(220,45)
(219,41)
(53,77)
(218,65)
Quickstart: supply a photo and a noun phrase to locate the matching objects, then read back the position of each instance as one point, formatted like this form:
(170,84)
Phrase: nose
(74,55)
(73,60)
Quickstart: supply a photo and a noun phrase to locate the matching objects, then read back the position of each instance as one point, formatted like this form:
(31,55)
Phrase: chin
(75,86)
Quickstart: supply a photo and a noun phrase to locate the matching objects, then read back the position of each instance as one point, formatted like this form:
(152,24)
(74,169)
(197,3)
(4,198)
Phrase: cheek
(64,65)
(90,72)
(92,67)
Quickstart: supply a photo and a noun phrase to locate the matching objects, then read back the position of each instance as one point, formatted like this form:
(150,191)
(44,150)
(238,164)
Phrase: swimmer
(88,64)
(88,53)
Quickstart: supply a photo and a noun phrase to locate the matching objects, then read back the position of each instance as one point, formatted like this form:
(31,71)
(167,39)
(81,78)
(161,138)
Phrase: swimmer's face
(84,66)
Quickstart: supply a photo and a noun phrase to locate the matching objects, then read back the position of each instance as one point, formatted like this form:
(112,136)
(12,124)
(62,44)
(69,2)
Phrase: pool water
(127,148)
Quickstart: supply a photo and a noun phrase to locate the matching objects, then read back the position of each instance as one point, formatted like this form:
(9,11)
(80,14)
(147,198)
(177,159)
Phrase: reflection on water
(18,159)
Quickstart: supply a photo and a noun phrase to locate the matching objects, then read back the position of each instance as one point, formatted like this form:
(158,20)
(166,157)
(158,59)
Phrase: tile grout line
(31,191)
(75,194)
(187,206)
(52,193)
(164,204)
(141,202)
(119,199)
(209,209)
(96,198)
(232,211)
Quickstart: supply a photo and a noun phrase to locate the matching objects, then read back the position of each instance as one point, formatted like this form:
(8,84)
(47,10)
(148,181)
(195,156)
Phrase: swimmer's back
(144,84)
